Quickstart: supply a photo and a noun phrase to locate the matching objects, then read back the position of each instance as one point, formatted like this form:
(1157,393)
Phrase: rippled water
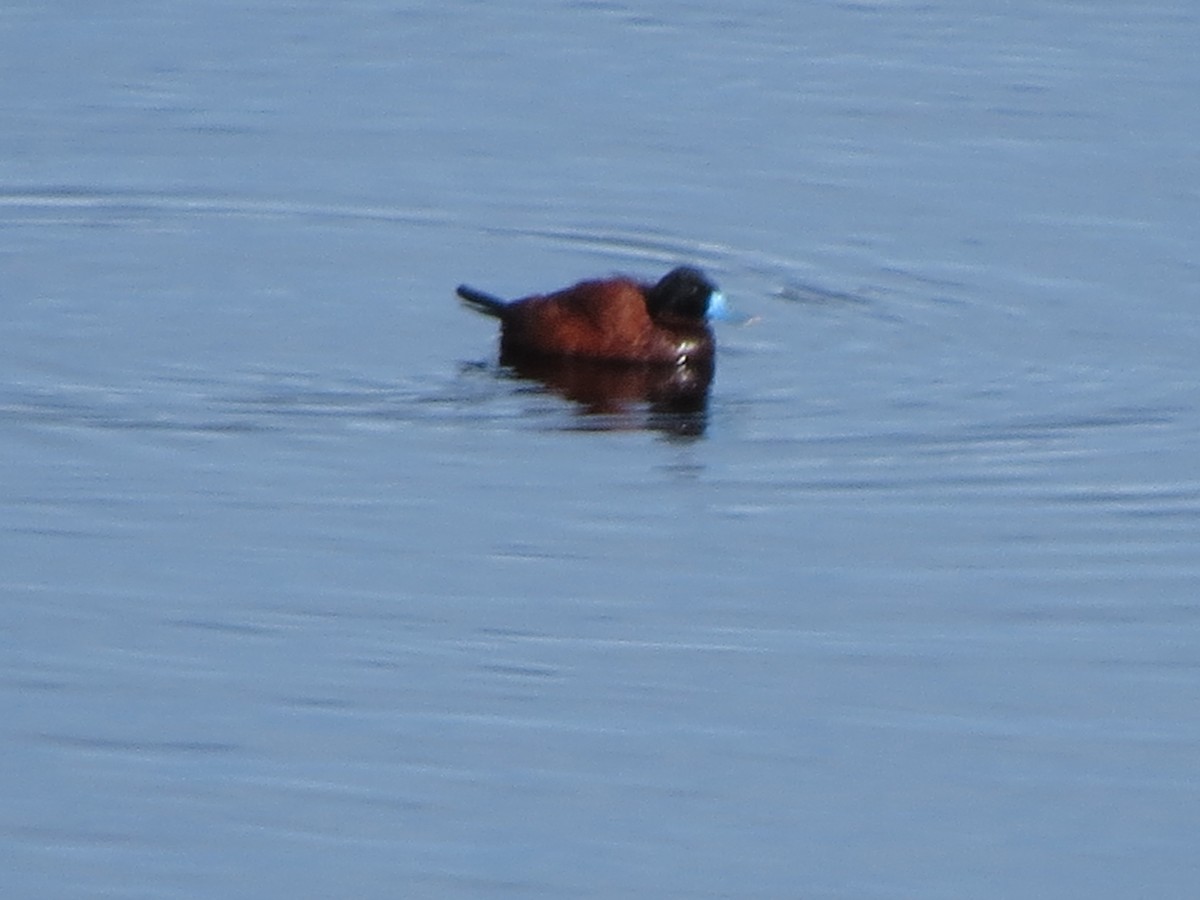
(304,594)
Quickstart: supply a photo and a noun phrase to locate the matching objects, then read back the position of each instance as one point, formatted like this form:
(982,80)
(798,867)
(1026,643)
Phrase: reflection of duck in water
(610,342)
(662,398)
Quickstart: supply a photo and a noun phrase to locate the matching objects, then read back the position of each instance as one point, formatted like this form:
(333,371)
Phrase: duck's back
(599,319)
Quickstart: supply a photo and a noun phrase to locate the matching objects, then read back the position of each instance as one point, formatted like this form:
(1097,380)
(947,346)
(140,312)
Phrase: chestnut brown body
(613,319)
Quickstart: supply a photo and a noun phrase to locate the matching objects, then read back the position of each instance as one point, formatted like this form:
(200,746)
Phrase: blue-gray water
(304,596)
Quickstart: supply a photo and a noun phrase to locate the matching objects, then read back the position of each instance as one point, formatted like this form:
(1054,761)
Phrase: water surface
(305,595)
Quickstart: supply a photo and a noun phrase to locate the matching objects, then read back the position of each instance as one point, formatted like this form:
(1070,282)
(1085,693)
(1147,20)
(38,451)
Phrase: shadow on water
(616,397)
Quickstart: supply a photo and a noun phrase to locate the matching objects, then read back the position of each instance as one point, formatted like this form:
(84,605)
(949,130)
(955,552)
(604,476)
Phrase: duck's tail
(484,303)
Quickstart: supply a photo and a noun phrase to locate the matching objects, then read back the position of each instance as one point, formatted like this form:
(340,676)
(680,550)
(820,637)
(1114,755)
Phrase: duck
(617,319)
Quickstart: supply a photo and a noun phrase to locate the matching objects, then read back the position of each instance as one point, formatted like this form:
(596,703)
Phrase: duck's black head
(686,295)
